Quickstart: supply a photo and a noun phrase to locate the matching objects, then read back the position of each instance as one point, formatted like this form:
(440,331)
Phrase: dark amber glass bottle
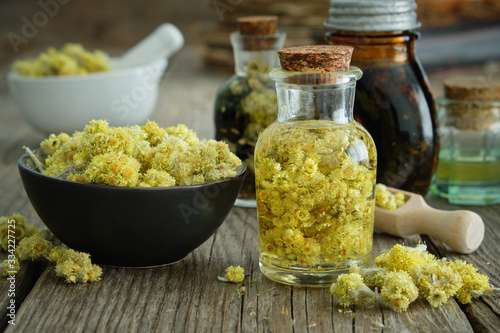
(393,99)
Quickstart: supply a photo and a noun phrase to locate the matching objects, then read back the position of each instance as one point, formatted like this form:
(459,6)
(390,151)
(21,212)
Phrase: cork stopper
(477,88)
(316,58)
(471,107)
(257,25)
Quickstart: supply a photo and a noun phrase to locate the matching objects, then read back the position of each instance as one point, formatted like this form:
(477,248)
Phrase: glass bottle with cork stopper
(393,99)
(246,104)
(315,170)
(468,170)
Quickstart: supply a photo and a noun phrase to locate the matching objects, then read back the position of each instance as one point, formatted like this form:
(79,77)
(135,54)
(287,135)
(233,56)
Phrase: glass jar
(315,170)
(468,170)
(246,104)
(393,99)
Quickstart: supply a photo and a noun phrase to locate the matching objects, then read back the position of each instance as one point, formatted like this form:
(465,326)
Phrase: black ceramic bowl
(130,227)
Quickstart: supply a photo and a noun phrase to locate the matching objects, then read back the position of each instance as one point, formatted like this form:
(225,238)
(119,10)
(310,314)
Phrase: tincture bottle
(315,170)
(468,169)
(246,104)
(393,99)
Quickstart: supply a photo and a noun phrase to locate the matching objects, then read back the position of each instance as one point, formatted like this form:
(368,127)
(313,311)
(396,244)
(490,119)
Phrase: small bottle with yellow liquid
(468,170)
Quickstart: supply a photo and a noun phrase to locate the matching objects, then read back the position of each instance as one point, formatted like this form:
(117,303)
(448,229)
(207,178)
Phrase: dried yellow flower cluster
(315,201)
(72,59)
(18,229)
(135,156)
(36,245)
(404,273)
(235,274)
(386,199)
(72,265)
(9,267)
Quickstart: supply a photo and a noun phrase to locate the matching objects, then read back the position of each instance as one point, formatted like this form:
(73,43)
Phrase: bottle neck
(316,96)
(377,47)
(256,54)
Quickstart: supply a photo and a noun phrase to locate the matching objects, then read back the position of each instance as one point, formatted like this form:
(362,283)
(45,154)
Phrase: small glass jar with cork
(468,169)
(246,104)
(315,170)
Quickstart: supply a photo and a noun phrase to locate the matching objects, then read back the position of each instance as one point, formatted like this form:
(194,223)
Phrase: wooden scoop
(462,230)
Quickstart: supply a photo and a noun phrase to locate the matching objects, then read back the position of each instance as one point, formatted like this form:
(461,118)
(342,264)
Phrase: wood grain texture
(187,296)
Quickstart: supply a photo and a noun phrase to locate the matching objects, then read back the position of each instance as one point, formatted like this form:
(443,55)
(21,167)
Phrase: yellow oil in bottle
(468,171)
(467,180)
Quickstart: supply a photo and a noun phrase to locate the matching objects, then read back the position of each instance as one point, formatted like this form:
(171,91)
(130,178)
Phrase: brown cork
(316,58)
(477,88)
(257,25)
(471,116)
(470,109)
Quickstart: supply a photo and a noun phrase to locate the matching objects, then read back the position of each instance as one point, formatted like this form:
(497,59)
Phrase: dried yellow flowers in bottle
(315,172)
(246,104)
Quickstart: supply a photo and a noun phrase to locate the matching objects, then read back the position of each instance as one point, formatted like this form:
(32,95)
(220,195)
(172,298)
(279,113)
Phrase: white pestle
(163,42)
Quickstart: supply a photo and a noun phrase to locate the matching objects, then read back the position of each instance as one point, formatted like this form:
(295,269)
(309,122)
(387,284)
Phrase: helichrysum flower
(404,258)
(437,281)
(41,244)
(9,267)
(373,277)
(74,266)
(235,274)
(156,178)
(350,289)
(147,156)
(398,290)
(386,199)
(54,142)
(113,169)
(17,228)
(72,59)
(473,285)
(34,248)
(403,273)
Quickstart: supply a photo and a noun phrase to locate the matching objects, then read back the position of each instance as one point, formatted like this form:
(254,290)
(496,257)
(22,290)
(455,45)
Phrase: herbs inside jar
(246,104)
(315,172)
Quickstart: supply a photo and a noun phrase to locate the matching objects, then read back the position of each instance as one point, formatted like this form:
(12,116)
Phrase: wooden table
(188,296)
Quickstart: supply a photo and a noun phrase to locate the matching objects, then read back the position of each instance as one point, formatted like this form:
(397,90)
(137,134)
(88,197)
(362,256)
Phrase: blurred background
(459,35)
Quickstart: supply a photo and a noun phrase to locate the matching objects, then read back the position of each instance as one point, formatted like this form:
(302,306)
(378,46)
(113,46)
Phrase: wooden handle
(462,230)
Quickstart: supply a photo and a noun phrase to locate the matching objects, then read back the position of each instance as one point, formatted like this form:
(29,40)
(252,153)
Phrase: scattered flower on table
(42,245)
(402,274)
(233,274)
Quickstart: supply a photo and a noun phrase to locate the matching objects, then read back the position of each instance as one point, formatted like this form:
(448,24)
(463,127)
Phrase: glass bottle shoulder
(319,137)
